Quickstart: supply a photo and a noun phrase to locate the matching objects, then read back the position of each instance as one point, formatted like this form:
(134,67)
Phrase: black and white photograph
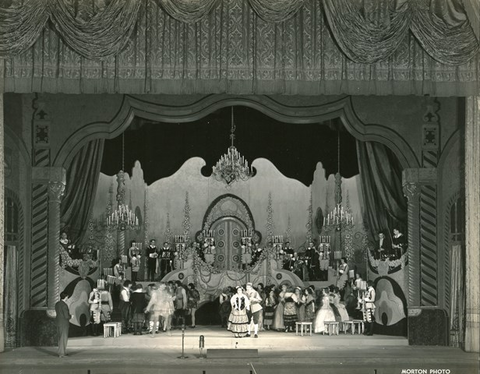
(240,186)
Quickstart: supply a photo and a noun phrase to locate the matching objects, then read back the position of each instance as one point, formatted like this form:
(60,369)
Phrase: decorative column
(412,191)
(472,232)
(2,191)
(56,189)
(54,178)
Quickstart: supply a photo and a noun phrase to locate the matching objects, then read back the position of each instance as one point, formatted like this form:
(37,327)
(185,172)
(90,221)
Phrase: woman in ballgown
(278,323)
(340,308)
(325,313)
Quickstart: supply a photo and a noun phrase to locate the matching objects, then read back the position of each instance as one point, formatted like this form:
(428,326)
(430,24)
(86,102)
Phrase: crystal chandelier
(232,166)
(123,217)
(339,217)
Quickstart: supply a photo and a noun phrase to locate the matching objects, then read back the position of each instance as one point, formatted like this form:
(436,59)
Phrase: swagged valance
(239,46)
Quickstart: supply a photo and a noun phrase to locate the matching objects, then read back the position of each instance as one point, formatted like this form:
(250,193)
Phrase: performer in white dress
(325,313)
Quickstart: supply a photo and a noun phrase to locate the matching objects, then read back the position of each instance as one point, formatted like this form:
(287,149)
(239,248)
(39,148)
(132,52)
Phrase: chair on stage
(112,329)
(332,327)
(305,328)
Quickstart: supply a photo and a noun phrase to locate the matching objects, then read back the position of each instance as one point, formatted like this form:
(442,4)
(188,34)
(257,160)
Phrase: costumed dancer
(246,256)
(192,304)
(369,308)
(238,319)
(152,256)
(209,250)
(180,303)
(95,310)
(343,272)
(300,304)
(270,305)
(309,301)
(134,256)
(166,259)
(325,313)
(278,323)
(106,302)
(342,311)
(138,309)
(124,305)
(153,307)
(255,308)
(290,310)
(224,307)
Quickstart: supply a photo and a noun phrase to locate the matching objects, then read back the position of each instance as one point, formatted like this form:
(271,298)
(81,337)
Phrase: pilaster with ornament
(56,177)
(411,190)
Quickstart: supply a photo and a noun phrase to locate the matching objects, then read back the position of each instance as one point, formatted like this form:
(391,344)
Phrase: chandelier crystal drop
(122,217)
(339,217)
(232,166)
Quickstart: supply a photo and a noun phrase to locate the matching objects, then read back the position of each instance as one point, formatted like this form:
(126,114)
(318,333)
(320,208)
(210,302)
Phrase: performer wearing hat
(255,308)
(369,308)
(238,319)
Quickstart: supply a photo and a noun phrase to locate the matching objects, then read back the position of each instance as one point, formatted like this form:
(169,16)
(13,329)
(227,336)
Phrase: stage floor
(216,337)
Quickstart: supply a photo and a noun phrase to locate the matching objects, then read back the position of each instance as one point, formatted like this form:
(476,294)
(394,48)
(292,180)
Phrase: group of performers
(272,308)
(310,265)
(390,247)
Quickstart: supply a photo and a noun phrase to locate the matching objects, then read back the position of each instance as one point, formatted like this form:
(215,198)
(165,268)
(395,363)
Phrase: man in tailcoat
(62,320)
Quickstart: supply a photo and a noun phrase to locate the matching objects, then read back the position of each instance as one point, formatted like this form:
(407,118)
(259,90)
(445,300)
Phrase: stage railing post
(201,345)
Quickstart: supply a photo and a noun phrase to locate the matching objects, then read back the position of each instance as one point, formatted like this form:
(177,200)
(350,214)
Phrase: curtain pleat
(141,46)
(188,11)
(82,179)
(443,31)
(368,36)
(20,26)
(276,10)
(381,178)
(105,34)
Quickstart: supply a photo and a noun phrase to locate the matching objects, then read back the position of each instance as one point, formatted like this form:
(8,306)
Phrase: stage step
(232,353)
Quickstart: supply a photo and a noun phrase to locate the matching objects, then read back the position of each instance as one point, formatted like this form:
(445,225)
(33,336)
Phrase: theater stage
(216,337)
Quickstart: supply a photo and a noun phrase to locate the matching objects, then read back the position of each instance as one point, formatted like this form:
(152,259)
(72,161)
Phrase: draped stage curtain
(257,46)
(385,206)
(82,180)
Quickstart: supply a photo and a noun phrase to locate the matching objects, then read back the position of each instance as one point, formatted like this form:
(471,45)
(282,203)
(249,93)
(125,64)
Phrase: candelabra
(122,218)
(232,166)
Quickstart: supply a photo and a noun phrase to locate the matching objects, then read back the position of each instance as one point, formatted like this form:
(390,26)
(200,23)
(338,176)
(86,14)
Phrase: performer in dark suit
(166,259)
(152,255)
(62,320)
(384,246)
(399,243)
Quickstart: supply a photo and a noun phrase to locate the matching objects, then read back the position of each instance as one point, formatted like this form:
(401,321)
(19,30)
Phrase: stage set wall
(67,116)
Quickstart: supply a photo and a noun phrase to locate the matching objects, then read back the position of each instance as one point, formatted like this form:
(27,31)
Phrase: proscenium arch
(340,108)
